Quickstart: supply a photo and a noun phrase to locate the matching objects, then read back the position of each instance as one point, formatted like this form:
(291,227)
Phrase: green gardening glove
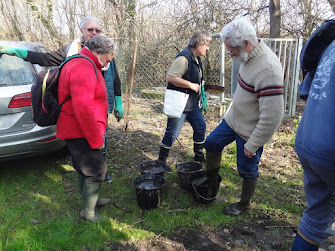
(118,110)
(19,52)
(203,100)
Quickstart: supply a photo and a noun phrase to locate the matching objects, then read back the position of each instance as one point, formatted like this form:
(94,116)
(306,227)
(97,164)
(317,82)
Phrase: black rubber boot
(248,190)
(213,162)
(199,152)
(163,154)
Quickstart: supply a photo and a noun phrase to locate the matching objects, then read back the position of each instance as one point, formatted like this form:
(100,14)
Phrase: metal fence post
(293,103)
(222,65)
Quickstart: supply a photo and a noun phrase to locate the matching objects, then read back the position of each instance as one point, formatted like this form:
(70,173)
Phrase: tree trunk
(332,4)
(275,18)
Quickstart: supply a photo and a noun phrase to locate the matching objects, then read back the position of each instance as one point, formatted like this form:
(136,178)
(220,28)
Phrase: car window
(15,71)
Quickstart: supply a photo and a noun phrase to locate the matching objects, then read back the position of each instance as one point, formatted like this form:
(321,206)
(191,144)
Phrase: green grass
(40,203)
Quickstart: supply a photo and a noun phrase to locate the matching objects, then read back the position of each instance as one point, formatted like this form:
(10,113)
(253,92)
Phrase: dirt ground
(259,236)
(261,233)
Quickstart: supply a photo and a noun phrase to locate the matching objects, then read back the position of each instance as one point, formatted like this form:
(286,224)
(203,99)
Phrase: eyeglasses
(232,51)
(93,29)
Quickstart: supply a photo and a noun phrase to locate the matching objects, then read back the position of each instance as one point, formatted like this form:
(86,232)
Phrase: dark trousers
(87,161)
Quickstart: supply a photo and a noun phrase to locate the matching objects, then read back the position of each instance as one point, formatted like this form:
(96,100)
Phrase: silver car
(19,134)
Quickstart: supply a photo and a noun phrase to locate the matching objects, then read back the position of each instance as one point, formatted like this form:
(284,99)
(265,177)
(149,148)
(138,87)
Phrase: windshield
(15,71)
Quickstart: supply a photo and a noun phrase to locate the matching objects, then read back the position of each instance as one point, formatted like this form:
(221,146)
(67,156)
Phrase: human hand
(195,87)
(5,50)
(248,154)
(118,110)
(101,147)
(19,52)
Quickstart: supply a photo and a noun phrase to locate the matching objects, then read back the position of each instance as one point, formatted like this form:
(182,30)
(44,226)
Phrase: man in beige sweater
(256,112)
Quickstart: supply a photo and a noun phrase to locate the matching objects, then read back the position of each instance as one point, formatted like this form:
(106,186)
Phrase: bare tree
(275,18)
(56,23)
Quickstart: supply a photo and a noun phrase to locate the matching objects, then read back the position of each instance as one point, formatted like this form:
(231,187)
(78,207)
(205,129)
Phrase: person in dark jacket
(315,140)
(82,122)
(89,27)
(186,75)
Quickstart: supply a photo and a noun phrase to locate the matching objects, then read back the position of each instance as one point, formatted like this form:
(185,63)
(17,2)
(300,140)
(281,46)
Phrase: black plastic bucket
(154,167)
(206,193)
(148,189)
(185,170)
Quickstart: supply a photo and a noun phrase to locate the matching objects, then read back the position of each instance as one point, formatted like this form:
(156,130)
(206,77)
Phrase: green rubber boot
(90,196)
(101,202)
(248,190)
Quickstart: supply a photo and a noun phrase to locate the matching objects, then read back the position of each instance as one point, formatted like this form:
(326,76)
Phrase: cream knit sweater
(258,107)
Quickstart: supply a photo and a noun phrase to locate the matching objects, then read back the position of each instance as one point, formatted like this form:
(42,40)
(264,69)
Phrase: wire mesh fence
(148,78)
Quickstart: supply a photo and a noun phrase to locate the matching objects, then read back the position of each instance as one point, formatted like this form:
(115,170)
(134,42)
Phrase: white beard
(243,57)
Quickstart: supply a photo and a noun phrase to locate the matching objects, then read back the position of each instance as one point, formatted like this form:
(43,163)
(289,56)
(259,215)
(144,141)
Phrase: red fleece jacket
(84,115)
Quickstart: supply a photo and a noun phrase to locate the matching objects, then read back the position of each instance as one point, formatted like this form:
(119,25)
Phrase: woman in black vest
(186,75)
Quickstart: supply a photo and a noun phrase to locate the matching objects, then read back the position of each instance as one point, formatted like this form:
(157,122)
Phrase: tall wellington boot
(90,196)
(213,162)
(101,202)
(248,190)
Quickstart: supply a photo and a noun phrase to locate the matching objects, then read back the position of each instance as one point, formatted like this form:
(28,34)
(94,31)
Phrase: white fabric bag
(174,103)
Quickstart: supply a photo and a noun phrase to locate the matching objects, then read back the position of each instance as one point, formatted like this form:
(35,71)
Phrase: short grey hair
(101,45)
(88,18)
(239,30)
(199,37)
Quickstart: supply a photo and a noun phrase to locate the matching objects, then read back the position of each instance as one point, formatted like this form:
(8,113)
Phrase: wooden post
(131,80)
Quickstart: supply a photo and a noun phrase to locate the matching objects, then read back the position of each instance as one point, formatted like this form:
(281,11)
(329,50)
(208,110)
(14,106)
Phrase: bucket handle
(202,196)
(140,191)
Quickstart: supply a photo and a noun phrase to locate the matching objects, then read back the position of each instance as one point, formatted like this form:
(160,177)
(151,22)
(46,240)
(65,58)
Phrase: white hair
(239,30)
(88,18)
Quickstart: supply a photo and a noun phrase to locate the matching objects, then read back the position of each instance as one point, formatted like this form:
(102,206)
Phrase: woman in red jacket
(83,119)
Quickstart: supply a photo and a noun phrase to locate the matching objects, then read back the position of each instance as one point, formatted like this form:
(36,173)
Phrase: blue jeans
(174,125)
(224,135)
(318,220)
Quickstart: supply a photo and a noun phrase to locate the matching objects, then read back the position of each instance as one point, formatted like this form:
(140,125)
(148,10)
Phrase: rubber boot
(163,154)
(101,202)
(303,244)
(213,162)
(248,190)
(90,196)
(199,152)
